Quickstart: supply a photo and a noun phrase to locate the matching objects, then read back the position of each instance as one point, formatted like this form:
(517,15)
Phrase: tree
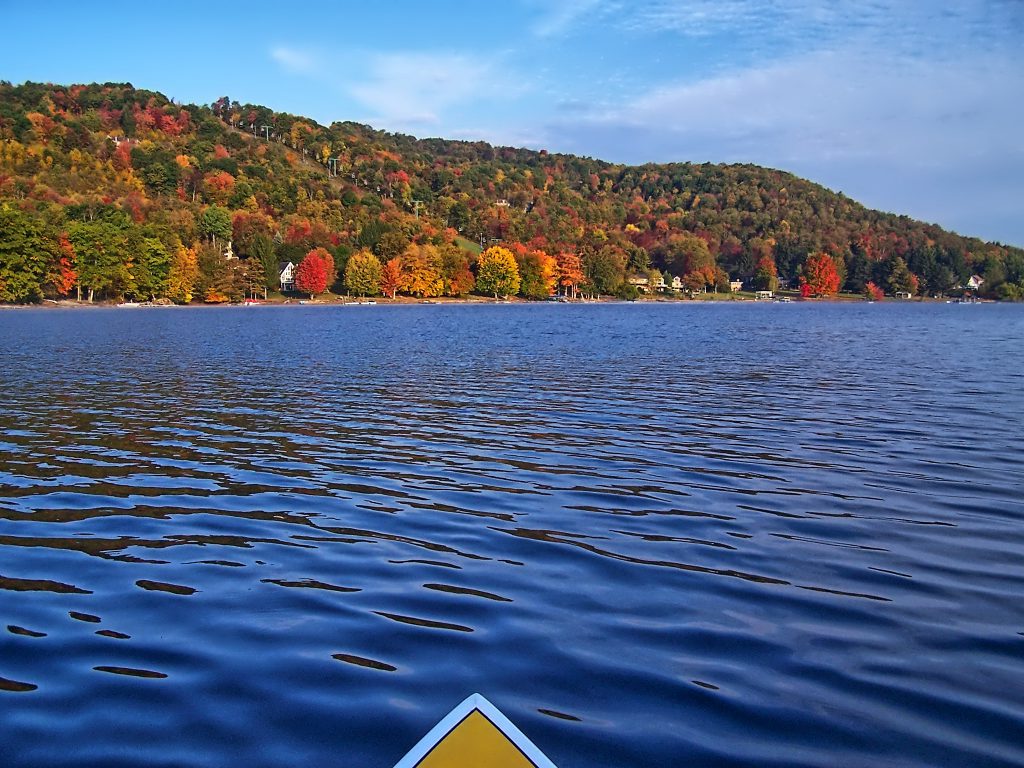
(421,271)
(497,272)
(766,275)
(872,292)
(103,251)
(820,277)
(570,271)
(538,275)
(605,269)
(363,274)
(315,272)
(685,253)
(262,250)
(183,274)
(62,275)
(22,262)
(150,268)
(901,280)
(455,272)
(391,277)
(215,222)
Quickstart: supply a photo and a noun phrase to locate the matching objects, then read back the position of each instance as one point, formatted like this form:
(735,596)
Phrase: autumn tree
(421,273)
(497,272)
(570,272)
(456,276)
(685,252)
(766,275)
(820,277)
(363,274)
(538,274)
(315,272)
(182,275)
(872,292)
(391,277)
(62,276)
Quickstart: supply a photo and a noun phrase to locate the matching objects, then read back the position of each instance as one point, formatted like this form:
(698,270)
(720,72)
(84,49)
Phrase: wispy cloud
(295,60)
(411,89)
(809,23)
(560,16)
(888,129)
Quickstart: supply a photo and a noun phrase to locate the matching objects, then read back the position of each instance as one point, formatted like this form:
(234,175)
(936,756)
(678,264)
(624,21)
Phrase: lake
(653,535)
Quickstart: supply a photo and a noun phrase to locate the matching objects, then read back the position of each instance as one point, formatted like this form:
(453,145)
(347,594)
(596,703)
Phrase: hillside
(115,192)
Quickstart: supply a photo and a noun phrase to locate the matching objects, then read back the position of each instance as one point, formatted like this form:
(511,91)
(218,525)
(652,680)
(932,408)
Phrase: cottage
(639,282)
(975,282)
(735,285)
(286,275)
(903,294)
(765,295)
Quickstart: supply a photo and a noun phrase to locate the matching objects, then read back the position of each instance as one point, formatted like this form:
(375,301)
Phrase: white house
(286,274)
(735,285)
(975,282)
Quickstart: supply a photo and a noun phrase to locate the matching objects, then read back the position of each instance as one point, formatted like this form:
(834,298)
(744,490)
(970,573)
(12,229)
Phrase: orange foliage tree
(391,277)
(570,271)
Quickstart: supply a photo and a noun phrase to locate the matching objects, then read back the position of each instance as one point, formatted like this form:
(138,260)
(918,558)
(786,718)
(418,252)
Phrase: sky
(909,106)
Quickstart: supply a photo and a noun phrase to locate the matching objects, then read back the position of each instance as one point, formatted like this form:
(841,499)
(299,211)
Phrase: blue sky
(912,107)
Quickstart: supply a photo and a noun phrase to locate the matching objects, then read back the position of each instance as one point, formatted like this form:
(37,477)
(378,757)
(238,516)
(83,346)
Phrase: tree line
(108,191)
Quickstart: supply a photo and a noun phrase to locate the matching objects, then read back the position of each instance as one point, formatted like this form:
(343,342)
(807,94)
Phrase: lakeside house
(643,283)
(903,294)
(286,275)
(735,285)
(765,295)
(975,282)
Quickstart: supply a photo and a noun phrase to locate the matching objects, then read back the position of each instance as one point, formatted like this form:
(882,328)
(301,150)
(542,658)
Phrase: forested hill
(119,192)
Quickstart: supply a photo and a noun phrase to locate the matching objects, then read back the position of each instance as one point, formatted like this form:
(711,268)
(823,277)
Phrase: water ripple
(652,534)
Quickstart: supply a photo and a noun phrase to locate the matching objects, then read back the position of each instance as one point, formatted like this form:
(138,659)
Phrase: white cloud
(409,89)
(294,60)
(885,129)
(561,15)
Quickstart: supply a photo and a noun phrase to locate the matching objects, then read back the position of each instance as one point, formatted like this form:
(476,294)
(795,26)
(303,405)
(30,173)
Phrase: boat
(475,733)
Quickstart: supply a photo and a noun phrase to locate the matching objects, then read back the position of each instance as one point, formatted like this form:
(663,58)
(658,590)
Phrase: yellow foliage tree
(497,272)
(183,274)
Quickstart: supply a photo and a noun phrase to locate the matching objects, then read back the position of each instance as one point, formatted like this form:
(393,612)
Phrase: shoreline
(337,301)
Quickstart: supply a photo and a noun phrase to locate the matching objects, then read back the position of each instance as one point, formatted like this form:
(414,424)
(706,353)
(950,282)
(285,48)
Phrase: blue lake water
(653,535)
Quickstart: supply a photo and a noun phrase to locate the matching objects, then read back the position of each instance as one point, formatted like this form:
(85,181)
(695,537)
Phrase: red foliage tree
(872,292)
(62,273)
(315,272)
(820,276)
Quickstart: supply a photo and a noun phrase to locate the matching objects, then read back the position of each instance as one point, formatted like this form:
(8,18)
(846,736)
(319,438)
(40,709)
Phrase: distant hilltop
(112,192)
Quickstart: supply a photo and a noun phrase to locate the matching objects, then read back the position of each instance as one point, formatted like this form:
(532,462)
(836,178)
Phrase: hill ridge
(168,173)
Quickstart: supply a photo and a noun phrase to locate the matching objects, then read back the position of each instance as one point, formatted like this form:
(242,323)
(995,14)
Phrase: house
(286,274)
(903,294)
(677,283)
(645,284)
(975,282)
(735,285)
(765,295)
